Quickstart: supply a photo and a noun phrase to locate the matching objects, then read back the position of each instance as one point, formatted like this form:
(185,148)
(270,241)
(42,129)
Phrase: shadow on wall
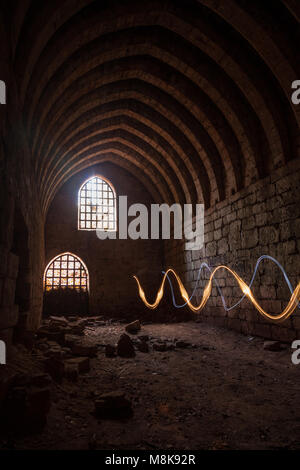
(65,301)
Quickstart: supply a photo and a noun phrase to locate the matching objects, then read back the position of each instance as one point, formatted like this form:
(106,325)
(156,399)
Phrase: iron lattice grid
(97,206)
(66,271)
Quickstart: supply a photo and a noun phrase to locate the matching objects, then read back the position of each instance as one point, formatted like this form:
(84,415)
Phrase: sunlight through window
(97,205)
(66,271)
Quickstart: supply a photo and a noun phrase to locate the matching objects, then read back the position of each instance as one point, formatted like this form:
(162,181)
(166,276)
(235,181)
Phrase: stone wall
(18,202)
(261,219)
(111,263)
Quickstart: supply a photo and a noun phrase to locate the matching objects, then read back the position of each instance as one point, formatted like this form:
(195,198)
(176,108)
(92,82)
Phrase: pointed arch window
(97,205)
(66,271)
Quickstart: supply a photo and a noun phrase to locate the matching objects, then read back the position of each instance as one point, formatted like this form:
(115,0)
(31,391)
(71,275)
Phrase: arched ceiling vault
(192,97)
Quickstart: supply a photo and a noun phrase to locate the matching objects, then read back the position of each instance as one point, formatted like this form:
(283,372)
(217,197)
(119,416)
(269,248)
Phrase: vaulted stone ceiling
(192,97)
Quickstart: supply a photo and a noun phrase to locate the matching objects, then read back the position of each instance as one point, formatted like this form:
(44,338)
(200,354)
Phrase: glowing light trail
(246,290)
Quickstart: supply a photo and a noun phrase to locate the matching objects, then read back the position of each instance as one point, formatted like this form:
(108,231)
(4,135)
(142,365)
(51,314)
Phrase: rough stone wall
(261,219)
(18,195)
(111,263)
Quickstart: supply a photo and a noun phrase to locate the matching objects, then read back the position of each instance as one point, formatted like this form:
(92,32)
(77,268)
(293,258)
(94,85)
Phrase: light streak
(246,290)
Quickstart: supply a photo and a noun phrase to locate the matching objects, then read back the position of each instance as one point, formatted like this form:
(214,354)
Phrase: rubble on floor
(85,380)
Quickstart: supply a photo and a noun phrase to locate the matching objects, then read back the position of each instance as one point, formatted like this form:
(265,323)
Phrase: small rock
(182,344)
(70,340)
(125,346)
(110,350)
(71,372)
(67,352)
(42,347)
(133,327)
(56,353)
(83,363)
(162,347)
(113,405)
(272,346)
(57,336)
(143,346)
(72,318)
(143,337)
(61,321)
(84,350)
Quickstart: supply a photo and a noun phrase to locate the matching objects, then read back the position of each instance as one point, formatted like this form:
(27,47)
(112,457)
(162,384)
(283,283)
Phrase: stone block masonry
(261,219)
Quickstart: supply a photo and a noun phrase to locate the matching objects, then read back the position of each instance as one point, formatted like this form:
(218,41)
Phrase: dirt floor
(223,391)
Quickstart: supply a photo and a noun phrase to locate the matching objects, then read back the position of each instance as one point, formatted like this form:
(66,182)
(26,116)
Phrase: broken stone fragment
(273,346)
(67,352)
(83,363)
(125,346)
(72,318)
(110,350)
(70,340)
(58,321)
(55,352)
(57,336)
(143,346)
(143,337)
(42,347)
(75,329)
(133,327)
(113,405)
(182,344)
(71,372)
(159,347)
(84,350)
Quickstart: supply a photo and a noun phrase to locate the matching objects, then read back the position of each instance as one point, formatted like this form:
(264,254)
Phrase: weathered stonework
(111,263)
(193,100)
(239,243)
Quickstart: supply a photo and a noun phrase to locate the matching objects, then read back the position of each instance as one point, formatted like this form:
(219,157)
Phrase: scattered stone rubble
(60,346)
(65,354)
(127,345)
